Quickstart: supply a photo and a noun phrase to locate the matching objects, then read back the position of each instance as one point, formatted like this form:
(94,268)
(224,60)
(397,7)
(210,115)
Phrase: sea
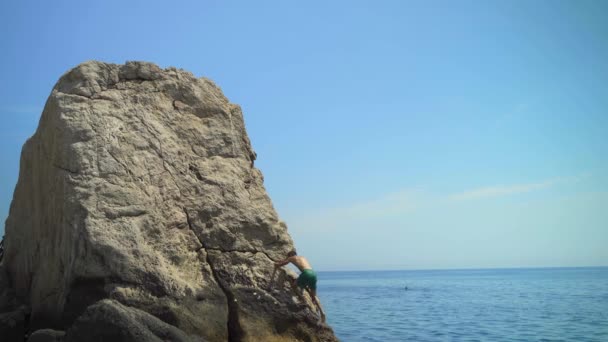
(533,304)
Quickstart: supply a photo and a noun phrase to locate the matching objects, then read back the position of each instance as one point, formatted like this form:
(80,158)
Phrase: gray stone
(109,320)
(46,335)
(13,314)
(139,185)
(8,299)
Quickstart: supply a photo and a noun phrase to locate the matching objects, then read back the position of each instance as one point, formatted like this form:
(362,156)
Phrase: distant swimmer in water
(307,279)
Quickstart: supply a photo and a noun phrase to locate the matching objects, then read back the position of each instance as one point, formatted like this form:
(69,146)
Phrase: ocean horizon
(490,304)
(453,269)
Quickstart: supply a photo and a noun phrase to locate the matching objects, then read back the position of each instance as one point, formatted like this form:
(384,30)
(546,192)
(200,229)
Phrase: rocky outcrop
(139,210)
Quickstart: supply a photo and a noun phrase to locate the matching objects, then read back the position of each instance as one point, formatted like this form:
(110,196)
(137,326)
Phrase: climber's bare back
(300,262)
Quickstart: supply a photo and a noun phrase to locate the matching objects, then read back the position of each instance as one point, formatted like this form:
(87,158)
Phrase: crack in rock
(235,331)
(65,169)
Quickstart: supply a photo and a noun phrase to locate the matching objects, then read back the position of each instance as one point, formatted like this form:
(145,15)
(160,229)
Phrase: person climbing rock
(307,279)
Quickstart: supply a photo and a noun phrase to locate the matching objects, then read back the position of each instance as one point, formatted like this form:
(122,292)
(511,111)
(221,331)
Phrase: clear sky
(392,134)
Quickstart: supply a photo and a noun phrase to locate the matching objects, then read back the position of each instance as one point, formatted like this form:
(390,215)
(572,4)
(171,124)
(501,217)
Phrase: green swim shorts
(308,278)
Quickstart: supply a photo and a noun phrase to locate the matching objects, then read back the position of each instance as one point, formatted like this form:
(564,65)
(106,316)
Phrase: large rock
(139,186)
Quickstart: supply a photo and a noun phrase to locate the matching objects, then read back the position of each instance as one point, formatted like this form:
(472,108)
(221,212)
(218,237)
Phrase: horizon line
(464,269)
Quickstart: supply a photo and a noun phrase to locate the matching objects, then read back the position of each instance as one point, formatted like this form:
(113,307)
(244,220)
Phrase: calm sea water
(553,304)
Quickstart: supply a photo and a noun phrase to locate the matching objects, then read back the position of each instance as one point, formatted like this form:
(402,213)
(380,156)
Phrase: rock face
(139,211)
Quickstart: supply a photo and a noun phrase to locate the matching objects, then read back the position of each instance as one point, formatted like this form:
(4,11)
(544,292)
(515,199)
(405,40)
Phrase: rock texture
(13,314)
(139,211)
(46,335)
(110,321)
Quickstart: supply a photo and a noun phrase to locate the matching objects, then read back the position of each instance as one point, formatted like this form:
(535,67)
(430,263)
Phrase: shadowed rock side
(138,212)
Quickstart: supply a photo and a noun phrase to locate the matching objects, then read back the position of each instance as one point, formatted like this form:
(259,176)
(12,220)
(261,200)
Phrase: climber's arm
(282,262)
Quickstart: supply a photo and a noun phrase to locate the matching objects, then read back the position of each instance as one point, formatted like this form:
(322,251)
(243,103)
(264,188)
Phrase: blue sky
(392,134)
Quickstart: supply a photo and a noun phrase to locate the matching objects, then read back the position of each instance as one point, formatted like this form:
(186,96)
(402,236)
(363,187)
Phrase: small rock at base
(46,335)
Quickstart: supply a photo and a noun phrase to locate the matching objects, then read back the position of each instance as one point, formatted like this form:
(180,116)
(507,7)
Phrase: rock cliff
(139,216)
